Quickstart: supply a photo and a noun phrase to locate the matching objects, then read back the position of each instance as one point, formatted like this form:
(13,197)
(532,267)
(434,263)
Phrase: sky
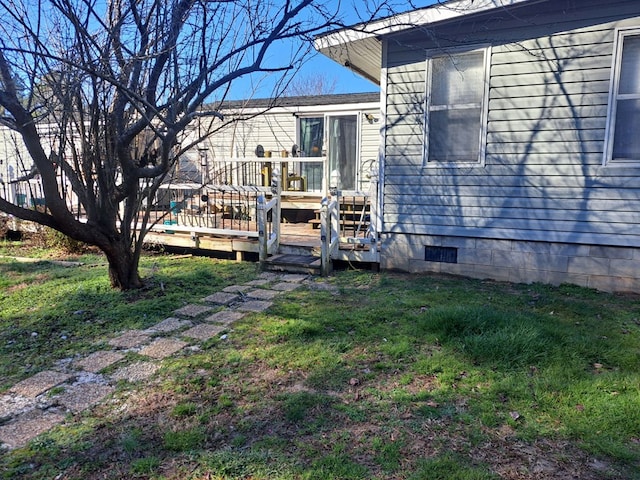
(346,81)
(343,80)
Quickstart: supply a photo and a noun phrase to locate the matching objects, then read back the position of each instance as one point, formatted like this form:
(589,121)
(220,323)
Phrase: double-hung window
(455,110)
(623,127)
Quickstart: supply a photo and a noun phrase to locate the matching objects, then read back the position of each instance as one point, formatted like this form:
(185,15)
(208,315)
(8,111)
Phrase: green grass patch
(145,466)
(305,407)
(335,467)
(381,376)
(388,453)
(451,467)
(185,409)
(50,312)
(186,440)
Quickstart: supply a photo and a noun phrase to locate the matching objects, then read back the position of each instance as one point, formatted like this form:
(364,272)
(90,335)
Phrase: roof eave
(360,47)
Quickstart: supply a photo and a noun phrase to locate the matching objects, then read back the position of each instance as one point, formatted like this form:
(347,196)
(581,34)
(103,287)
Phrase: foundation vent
(441,254)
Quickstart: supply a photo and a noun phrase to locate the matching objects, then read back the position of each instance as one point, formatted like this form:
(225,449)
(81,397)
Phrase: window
(311,144)
(311,136)
(342,153)
(333,136)
(455,113)
(623,141)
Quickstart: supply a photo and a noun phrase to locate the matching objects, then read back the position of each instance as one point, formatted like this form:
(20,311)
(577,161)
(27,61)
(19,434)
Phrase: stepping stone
(27,427)
(12,405)
(135,372)
(222,298)
(263,294)
(269,276)
(294,277)
(163,347)
(130,339)
(192,310)
(236,288)
(80,397)
(225,317)
(41,382)
(204,331)
(99,361)
(258,283)
(169,325)
(285,286)
(254,306)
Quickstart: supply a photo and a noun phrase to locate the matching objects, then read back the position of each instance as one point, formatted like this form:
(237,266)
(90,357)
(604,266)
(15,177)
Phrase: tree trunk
(123,266)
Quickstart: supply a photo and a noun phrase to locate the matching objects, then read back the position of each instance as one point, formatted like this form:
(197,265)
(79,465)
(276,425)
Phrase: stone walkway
(38,403)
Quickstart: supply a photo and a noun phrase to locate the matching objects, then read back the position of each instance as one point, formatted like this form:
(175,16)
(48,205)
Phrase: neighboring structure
(16,164)
(249,166)
(325,138)
(511,138)
(340,131)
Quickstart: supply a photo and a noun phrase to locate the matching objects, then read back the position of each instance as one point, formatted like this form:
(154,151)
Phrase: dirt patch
(36,280)
(17,288)
(543,460)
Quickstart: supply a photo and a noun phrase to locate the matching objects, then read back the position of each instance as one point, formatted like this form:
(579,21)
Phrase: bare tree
(105,95)
(315,84)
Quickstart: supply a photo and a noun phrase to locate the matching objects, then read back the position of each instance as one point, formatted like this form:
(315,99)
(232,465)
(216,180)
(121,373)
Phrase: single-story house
(510,138)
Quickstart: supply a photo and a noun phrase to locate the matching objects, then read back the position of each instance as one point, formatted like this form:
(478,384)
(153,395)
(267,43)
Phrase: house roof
(359,47)
(301,101)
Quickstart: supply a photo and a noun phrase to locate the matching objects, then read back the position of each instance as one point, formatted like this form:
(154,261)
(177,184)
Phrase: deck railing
(30,194)
(217,210)
(242,197)
(329,232)
(268,227)
(227,210)
(218,207)
(299,174)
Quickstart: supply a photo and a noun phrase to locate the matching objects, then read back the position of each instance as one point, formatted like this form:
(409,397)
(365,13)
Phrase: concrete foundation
(612,269)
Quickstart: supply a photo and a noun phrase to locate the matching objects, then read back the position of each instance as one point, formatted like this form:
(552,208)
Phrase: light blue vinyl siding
(543,178)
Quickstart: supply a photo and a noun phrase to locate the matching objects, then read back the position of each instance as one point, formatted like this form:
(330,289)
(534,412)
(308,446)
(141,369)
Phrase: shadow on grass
(51,312)
(398,377)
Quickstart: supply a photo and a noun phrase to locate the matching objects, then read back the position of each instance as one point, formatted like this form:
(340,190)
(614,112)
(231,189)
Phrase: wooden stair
(292,263)
(355,214)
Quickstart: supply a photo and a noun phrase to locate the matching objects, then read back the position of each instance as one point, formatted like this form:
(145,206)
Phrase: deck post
(262,231)
(276,216)
(328,237)
(324,244)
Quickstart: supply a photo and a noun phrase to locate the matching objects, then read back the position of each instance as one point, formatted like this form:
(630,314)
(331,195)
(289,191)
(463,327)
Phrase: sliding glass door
(342,151)
(333,136)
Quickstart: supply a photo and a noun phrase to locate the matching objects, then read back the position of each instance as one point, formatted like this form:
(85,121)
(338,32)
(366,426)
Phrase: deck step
(294,263)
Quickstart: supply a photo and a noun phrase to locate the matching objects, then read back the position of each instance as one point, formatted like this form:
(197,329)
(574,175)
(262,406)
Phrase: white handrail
(269,159)
(269,242)
(329,233)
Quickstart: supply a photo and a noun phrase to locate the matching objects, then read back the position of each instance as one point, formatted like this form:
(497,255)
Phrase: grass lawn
(359,376)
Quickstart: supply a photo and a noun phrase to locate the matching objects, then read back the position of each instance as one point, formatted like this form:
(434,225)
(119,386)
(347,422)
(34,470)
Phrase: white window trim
(358,114)
(612,108)
(482,137)
(325,139)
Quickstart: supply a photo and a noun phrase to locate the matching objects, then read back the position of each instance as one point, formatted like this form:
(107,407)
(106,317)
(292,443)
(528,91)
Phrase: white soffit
(359,48)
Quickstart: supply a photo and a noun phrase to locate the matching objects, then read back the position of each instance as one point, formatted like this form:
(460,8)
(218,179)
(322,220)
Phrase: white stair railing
(329,232)
(269,231)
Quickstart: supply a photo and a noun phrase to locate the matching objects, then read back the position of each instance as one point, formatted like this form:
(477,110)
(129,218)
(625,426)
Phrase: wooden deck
(296,238)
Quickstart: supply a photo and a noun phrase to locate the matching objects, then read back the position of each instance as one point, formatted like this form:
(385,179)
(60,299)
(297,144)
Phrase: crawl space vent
(441,254)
